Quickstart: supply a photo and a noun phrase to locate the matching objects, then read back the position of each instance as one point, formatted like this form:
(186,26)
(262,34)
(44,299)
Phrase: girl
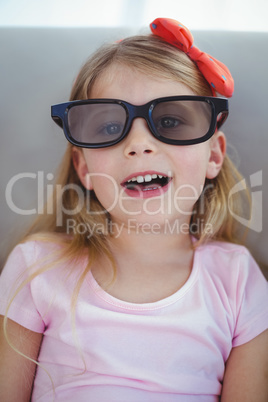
(133,289)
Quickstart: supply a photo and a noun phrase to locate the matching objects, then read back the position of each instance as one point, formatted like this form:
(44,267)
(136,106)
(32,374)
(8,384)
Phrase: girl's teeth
(147,178)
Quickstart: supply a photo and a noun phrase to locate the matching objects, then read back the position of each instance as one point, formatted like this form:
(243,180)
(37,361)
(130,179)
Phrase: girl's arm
(16,372)
(246,374)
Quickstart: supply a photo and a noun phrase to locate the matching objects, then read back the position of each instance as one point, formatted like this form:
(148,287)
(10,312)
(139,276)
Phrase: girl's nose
(139,140)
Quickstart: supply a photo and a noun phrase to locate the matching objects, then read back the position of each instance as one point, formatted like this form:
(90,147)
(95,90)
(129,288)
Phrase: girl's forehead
(115,72)
(126,82)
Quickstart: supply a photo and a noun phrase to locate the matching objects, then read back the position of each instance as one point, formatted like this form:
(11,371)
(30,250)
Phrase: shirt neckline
(167,301)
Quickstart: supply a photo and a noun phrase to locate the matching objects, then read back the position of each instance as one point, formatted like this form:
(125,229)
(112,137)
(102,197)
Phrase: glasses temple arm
(221,118)
(57,120)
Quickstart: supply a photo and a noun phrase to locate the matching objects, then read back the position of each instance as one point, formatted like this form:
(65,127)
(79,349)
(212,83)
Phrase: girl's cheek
(106,189)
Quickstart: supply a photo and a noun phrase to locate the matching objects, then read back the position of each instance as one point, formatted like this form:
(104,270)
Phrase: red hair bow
(216,73)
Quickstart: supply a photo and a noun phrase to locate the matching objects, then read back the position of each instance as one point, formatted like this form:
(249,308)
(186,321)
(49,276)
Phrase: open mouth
(148,182)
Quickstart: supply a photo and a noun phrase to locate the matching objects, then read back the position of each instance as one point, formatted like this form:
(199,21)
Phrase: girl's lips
(146,184)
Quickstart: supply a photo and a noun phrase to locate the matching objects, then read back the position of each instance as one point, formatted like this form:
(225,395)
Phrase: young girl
(131,287)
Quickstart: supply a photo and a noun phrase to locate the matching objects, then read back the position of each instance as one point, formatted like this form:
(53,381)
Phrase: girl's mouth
(147,185)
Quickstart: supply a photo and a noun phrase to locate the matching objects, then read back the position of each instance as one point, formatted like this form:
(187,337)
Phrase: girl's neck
(149,267)
(150,245)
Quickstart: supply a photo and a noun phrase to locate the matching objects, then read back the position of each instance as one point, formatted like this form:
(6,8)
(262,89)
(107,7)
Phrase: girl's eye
(168,122)
(111,129)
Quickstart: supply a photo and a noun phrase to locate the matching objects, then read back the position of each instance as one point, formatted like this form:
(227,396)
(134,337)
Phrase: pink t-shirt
(171,350)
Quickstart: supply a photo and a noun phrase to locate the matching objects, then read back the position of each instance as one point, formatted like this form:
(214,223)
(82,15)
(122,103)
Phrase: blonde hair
(150,55)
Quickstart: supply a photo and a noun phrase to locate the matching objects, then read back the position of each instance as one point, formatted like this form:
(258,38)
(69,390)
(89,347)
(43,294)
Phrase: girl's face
(141,158)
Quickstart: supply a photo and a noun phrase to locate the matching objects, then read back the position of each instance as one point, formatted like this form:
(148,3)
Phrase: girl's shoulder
(227,252)
(229,274)
(29,280)
(37,251)
(36,248)
(230,264)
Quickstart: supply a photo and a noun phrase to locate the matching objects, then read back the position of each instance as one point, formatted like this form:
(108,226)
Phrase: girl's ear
(81,168)
(217,154)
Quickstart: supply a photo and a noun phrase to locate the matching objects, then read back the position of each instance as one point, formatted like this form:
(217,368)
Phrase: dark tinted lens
(182,120)
(96,123)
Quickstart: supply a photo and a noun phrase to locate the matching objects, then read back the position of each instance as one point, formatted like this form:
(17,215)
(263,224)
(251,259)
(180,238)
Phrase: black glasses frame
(219,108)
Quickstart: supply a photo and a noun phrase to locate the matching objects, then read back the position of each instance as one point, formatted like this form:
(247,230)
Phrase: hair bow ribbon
(216,73)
